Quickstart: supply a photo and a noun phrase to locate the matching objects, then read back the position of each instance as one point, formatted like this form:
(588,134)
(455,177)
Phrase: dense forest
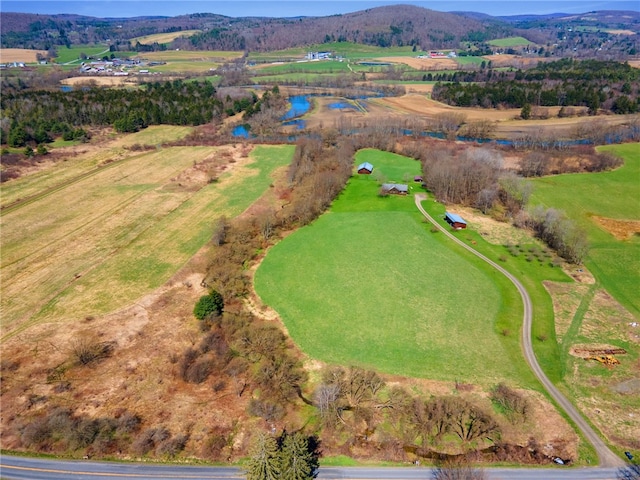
(38,116)
(591,83)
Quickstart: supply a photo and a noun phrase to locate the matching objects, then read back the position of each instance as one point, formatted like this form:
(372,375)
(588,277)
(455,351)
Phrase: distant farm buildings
(456,221)
(318,55)
(365,168)
(394,189)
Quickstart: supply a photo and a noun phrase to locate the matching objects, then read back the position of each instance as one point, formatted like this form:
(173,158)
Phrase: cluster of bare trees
(562,234)
(356,401)
(580,159)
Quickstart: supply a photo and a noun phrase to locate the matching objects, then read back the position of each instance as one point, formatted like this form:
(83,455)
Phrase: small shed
(456,221)
(395,188)
(365,168)
(417,179)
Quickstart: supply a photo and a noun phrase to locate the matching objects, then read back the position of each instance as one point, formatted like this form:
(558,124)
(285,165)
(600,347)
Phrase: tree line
(591,83)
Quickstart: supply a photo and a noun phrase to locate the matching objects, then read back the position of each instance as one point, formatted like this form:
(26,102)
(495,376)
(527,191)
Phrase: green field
(325,66)
(510,42)
(66,54)
(369,284)
(101,242)
(615,263)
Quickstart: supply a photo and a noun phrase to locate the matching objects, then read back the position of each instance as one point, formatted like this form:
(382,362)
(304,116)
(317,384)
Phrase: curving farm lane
(606,457)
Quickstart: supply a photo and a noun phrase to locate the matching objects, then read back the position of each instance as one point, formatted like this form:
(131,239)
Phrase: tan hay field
(621,32)
(507,60)
(163,37)
(99,243)
(421,105)
(106,147)
(423,63)
(185,55)
(102,81)
(634,63)
(25,55)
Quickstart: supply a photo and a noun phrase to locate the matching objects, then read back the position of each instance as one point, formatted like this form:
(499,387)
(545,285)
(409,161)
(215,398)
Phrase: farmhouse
(395,188)
(455,220)
(365,168)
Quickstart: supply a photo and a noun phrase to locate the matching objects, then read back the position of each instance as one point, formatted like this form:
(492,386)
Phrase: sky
(293,8)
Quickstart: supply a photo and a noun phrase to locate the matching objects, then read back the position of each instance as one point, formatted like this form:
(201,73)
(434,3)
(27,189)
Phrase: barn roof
(398,186)
(366,165)
(455,218)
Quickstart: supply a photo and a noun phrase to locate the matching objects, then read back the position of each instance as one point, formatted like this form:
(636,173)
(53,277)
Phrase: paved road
(20,468)
(606,457)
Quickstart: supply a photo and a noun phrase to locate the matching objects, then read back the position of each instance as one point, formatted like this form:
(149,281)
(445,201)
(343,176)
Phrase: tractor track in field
(606,457)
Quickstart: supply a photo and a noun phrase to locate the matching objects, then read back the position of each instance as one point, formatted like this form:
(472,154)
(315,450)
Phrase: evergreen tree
(297,462)
(264,461)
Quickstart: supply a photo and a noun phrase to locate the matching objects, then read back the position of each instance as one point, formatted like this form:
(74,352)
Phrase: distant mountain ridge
(385,26)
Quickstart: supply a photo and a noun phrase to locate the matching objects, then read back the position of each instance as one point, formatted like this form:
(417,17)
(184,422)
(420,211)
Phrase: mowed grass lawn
(368,284)
(614,195)
(100,243)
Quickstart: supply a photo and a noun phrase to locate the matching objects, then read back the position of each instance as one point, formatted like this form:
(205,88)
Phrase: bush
(208,305)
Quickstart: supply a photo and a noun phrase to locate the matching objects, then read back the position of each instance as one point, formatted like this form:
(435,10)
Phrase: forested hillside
(383,26)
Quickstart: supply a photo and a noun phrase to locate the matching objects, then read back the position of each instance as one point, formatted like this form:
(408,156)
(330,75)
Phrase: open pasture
(99,243)
(369,284)
(161,38)
(586,198)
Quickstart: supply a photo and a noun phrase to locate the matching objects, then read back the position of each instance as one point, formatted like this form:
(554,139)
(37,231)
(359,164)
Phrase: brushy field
(613,195)
(99,243)
(161,38)
(510,42)
(369,284)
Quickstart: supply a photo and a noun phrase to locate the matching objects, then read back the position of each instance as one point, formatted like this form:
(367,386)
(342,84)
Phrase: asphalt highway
(22,468)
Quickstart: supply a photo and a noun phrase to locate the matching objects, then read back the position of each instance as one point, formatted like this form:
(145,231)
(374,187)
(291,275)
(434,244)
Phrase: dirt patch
(621,229)
(582,350)
(423,63)
(24,55)
(634,63)
(628,387)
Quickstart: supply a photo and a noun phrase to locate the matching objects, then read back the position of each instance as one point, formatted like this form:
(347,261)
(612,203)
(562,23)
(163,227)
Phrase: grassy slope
(510,42)
(122,229)
(382,291)
(615,263)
